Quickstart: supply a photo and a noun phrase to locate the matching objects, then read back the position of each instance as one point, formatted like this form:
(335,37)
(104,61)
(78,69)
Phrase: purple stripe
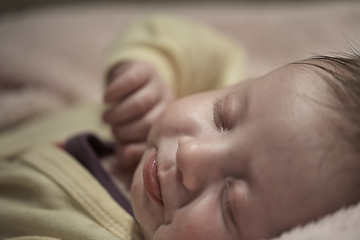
(88,149)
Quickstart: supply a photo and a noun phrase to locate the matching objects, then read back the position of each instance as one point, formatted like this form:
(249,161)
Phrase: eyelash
(217,114)
(225,198)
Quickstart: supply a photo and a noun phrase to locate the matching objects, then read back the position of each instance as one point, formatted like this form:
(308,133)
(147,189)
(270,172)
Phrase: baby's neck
(121,179)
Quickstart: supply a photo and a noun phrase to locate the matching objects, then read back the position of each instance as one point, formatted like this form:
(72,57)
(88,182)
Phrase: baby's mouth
(151,181)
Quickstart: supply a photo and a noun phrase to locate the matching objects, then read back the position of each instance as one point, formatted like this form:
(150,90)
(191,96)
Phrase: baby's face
(245,162)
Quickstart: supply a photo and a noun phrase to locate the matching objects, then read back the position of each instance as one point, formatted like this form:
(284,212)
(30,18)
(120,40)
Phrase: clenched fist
(137,95)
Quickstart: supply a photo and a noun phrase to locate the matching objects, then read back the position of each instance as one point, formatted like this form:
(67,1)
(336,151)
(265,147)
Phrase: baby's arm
(174,54)
(189,57)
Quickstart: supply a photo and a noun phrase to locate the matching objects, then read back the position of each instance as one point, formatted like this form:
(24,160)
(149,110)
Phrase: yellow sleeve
(45,194)
(190,58)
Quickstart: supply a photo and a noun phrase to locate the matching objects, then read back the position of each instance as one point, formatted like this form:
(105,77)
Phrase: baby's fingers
(137,130)
(130,154)
(127,81)
(133,106)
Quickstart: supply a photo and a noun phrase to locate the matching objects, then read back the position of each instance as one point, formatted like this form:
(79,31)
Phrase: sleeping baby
(246,161)
(202,152)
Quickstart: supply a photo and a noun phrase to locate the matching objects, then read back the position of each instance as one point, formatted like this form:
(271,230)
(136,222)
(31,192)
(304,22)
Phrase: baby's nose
(199,161)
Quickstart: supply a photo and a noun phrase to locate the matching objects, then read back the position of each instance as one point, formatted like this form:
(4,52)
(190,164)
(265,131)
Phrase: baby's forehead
(303,76)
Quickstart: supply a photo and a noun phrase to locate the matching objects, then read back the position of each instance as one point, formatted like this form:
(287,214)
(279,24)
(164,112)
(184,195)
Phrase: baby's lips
(151,181)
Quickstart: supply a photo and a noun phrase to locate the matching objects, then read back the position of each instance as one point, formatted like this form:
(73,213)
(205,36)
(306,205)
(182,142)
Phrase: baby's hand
(138,96)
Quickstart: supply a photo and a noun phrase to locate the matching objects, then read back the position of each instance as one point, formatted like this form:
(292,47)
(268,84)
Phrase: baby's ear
(343,224)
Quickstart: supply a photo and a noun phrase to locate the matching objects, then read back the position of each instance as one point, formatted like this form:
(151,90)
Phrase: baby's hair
(344,85)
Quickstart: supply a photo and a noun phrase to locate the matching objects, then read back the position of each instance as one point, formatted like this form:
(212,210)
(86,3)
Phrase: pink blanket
(50,58)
